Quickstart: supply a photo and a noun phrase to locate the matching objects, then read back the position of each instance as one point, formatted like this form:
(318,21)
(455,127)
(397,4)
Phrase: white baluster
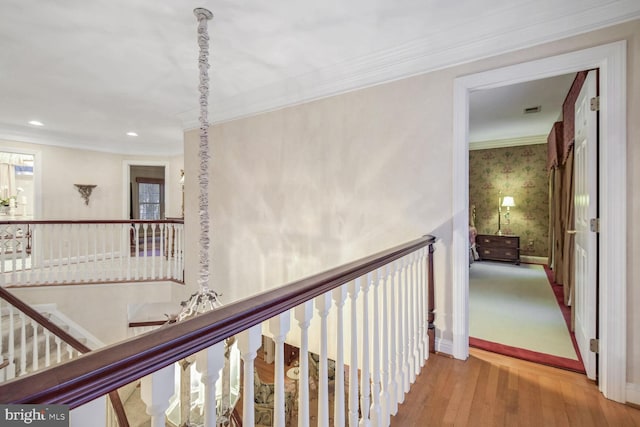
(50,233)
(14,252)
(180,253)
(59,269)
(353,288)
(171,250)
(163,250)
(411,341)
(98,267)
(34,326)
(404,316)
(78,260)
(279,328)
(323,305)
(386,383)
(23,344)
(126,248)
(425,303)
(70,351)
(58,342)
(136,254)
(155,390)
(375,412)
(394,365)
(365,374)
(419,310)
(69,241)
(47,350)
(11,368)
(339,298)
(153,251)
(303,314)
(415,321)
(209,362)
(145,231)
(113,275)
(248,343)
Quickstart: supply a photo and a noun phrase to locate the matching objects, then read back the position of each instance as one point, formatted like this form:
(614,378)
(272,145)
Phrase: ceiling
(91,71)
(499,113)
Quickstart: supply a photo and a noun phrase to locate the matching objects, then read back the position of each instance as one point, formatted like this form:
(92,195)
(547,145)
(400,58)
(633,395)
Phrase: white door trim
(126,178)
(611,60)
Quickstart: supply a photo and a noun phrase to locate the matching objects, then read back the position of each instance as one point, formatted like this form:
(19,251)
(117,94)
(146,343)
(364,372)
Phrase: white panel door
(586,208)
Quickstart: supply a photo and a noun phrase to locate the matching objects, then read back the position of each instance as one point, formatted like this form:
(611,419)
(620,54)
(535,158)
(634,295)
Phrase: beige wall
(519,172)
(63,167)
(100,309)
(305,188)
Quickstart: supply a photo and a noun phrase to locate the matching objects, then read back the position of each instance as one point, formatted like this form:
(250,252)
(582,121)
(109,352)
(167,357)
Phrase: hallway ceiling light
(36,123)
(132,134)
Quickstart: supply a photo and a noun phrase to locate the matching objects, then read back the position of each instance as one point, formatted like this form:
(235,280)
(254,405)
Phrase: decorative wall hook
(85,191)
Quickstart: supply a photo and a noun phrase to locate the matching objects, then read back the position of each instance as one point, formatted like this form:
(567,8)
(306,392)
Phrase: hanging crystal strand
(205,299)
(203,16)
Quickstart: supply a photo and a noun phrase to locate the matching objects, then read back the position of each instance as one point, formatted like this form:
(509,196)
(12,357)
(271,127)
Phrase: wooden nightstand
(498,248)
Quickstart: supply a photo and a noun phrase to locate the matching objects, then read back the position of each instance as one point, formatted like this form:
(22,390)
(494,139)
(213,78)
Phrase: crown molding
(468,41)
(508,142)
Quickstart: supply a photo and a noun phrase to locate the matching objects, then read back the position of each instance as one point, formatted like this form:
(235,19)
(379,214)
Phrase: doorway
(146,192)
(610,59)
(137,173)
(17,185)
(516,309)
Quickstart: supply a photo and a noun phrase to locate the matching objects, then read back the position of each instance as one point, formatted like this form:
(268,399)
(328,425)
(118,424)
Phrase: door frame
(610,59)
(126,178)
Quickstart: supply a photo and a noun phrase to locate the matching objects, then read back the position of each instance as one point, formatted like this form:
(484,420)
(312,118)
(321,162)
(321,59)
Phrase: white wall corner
(633,393)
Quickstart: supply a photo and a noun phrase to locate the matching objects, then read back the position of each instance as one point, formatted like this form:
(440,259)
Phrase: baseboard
(633,393)
(444,346)
(534,259)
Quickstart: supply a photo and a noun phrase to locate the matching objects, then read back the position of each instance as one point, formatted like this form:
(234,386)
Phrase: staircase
(26,346)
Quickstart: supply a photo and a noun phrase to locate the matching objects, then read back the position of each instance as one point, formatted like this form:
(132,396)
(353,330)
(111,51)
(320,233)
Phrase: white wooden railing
(368,322)
(56,252)
(32,340)
(27,346)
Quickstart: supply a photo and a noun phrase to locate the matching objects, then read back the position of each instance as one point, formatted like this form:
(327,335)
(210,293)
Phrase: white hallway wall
(305,188)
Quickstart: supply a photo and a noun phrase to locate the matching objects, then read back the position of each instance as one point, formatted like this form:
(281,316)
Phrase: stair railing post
(249,342)
(209,362)
(279,328)
(155,390)
(431,304)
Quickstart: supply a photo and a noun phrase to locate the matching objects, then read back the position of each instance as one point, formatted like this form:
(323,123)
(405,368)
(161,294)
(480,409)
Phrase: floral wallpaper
(519,172)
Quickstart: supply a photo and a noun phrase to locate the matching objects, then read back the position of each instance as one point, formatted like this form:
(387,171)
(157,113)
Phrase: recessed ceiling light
(36,123)
(132,134)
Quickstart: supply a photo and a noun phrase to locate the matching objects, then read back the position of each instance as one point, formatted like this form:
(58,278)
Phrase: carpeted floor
(513,311)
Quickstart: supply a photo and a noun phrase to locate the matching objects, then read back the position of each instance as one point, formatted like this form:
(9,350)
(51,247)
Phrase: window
(150,198)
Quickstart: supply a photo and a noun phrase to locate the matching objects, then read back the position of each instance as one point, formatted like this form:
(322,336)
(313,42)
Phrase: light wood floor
(493,390)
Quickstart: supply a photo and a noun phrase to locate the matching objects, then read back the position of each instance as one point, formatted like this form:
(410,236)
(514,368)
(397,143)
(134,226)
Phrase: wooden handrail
(148,323)
(68,339)
(97,373)
(43,321)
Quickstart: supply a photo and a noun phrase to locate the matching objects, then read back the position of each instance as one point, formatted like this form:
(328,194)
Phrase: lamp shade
(508,202)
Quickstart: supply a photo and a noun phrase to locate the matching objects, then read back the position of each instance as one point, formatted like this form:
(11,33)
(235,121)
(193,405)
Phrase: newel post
(431,329)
